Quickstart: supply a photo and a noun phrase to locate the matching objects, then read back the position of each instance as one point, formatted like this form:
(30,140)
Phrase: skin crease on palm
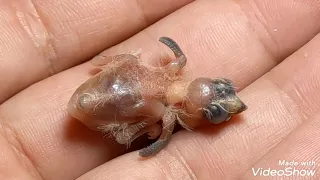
(268,48)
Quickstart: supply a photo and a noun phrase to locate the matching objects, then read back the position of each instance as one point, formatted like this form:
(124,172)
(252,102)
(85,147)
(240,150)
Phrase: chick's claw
(154,131)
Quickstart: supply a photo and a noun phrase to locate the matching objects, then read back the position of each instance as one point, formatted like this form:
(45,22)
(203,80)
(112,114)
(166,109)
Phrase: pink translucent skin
(127,99)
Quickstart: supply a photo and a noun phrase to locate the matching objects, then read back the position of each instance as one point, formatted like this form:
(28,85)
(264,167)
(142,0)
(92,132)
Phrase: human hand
(41,44)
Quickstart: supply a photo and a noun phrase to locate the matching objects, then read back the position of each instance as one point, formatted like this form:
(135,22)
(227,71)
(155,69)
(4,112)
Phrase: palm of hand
(249,43)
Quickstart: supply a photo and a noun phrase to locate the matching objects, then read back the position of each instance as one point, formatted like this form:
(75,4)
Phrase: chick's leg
(153,131)
(168,124)
(176,65)
(136,130)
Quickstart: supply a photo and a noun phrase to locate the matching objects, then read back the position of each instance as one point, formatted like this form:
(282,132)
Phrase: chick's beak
(242,108)
(236,106)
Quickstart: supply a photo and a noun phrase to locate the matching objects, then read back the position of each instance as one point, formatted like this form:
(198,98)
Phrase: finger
(13,164)
(297,78)
(40,38)
(49,111)
(278,102)
(231,39)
